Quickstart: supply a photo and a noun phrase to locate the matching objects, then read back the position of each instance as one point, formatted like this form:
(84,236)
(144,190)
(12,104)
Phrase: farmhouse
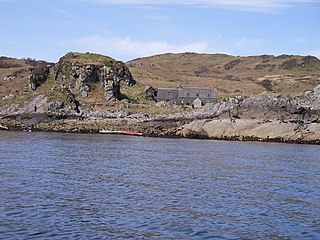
(187,96)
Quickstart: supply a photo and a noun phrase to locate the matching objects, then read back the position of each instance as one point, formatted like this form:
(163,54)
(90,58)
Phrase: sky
(129,29)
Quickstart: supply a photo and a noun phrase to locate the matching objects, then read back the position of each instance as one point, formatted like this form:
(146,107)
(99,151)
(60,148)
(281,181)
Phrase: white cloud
(238,4)
(127,48)
(253,5)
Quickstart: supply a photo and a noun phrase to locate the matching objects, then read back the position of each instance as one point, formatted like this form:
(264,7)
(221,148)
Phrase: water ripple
(71,186)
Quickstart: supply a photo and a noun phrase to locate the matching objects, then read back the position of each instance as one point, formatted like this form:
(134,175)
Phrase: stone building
(186,96)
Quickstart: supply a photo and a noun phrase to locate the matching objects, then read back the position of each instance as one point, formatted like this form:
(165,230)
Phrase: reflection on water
(70,186)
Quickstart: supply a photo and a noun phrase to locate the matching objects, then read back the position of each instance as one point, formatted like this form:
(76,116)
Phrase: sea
(91,186)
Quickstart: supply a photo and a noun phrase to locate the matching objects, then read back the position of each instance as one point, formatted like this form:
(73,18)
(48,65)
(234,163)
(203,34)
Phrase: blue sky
(128,29)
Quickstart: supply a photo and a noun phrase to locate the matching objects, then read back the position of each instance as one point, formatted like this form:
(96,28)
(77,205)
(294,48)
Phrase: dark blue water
(70,186)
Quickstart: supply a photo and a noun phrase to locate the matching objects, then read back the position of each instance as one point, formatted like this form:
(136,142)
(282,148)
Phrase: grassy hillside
(14,75)
(231,75)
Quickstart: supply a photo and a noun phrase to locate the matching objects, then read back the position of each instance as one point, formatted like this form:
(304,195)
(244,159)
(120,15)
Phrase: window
(170,93)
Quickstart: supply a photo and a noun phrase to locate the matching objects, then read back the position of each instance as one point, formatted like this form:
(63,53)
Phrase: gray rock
(9,96)
(80,77)
(36,78)
(84,90)
(151,93)
(9,78)
(316,91)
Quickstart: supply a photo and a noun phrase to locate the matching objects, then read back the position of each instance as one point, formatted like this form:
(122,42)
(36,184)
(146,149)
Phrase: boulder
(37,76)
(151,93)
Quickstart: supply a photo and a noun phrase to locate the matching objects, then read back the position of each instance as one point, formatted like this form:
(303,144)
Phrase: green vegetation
(85,58)
(134,94)
(52,90)
(67,70)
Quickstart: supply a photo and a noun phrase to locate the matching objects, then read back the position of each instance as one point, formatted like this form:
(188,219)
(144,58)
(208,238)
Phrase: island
(207,96)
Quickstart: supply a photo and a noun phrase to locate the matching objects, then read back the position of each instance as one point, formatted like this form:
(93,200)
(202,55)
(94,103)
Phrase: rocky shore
(266,117)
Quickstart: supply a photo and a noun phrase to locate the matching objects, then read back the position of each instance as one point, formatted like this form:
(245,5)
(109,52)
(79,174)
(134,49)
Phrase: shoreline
(216,129)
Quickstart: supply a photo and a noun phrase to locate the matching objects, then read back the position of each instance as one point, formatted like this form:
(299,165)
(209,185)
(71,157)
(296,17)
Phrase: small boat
(25,130)
(121,132)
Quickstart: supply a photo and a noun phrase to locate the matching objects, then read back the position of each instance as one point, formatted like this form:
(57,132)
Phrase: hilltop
(231,75)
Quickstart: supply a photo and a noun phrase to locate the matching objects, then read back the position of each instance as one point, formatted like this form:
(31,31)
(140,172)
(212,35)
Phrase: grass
(51,89)
(135,94)
(67,70)
(85,58)
(210,71)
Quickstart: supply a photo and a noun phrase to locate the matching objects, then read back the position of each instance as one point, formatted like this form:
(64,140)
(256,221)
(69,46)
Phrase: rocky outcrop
(37,76)
(110,76)
(73,103)
(262,118)
(80,75)
(151,93)
(253,130)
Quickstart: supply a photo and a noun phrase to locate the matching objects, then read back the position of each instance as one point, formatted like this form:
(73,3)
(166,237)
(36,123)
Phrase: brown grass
(246,76)
(230,75)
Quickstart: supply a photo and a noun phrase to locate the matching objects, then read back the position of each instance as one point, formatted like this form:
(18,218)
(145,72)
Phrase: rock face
(110,78)
(79,74)
(151,93)
(263,117)
(37,76)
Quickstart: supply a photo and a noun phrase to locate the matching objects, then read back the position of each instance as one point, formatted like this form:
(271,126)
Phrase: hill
(231,75)
(94,78)
(91,78)
(14,75)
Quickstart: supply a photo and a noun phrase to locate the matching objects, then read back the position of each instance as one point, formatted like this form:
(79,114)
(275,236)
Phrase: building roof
(197,93)
(167,93)
(186,93)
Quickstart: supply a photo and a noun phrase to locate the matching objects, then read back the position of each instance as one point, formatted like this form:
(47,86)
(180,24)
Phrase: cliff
(79,71)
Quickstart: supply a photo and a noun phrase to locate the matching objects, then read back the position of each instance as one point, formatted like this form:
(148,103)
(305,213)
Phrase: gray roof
(167,93)
(186,93)
(197,93)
